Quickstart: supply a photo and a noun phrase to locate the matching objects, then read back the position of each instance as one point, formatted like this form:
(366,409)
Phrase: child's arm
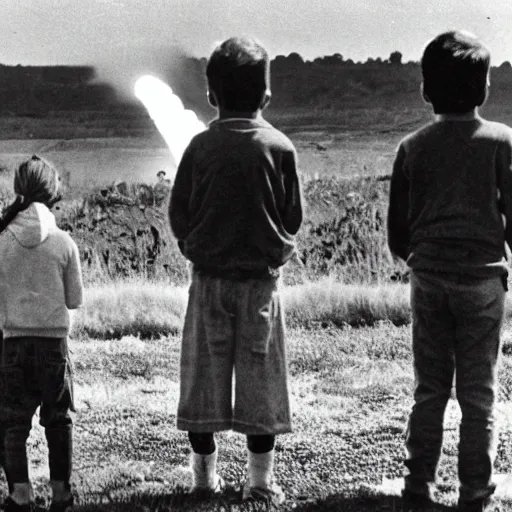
(180,196)
(292,218)
(398,229)
(504,178)
(73,285)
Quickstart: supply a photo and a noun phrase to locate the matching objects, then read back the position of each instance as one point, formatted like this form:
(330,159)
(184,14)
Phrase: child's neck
(232,114)
(466,116)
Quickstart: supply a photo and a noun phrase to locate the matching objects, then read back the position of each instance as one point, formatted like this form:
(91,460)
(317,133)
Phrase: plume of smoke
(122,66)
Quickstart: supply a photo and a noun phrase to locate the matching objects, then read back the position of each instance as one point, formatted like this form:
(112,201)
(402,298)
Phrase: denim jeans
(456,328)
(35,372)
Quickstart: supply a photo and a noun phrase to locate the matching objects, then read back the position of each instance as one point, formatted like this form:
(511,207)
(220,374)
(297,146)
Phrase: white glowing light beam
(176,124)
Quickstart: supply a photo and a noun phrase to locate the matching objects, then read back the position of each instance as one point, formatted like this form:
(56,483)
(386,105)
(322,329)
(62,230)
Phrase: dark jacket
(236,202)
(451,191)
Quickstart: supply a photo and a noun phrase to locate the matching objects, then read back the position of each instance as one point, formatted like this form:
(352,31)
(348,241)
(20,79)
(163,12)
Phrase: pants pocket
(263,311)
(57,393)
(12,389)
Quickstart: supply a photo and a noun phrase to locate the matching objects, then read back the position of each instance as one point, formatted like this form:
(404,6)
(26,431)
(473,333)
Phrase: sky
(138,33)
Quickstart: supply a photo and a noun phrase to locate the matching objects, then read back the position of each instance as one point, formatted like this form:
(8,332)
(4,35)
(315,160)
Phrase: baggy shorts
(234,329)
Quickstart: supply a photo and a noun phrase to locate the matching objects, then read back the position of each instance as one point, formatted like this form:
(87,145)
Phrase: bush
(344,234)
(122,232)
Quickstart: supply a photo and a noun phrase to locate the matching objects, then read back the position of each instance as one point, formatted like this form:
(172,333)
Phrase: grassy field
(350,392)
(344,229)
(351,375)
(98,161)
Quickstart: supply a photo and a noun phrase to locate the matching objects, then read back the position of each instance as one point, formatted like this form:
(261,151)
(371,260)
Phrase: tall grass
(150,309)
(154,309)
(328,302)
(131,307)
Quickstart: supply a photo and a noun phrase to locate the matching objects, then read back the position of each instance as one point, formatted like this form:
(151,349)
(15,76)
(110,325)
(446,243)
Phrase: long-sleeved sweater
(236,201)
(451,189)
(40,276)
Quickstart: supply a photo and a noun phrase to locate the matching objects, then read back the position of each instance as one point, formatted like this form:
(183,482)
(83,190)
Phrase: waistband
(236,274)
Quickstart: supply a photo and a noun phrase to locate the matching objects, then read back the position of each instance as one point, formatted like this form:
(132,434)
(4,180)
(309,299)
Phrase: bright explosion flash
(176,124)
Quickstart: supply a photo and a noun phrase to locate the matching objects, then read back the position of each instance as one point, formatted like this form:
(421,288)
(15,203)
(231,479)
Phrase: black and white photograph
(255,255)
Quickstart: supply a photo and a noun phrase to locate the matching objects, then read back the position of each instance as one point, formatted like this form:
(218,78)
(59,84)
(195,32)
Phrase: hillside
(71,102)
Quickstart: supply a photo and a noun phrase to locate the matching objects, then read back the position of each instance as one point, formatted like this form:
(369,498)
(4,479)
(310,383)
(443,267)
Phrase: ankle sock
(260,469)
(204,469)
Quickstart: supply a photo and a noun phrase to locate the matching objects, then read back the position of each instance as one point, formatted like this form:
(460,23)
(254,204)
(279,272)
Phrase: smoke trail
(176,124)
(123,65)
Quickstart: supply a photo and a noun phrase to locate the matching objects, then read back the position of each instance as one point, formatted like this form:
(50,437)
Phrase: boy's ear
(266,99)
(485,94)
(423,93)
(212,100)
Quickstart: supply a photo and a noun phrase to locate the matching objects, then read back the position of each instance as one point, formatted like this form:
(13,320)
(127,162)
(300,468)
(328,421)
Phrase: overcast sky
(82,31)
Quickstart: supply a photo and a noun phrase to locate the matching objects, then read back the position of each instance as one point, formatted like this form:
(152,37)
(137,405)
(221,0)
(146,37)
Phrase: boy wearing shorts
(235,208)
(450,213)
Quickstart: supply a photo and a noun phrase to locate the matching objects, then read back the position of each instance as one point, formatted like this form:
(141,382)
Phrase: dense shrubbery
(344,233)
(123,231)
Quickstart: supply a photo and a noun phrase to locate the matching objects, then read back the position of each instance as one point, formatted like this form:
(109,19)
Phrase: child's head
(36,180)
(238,74)
(455,67)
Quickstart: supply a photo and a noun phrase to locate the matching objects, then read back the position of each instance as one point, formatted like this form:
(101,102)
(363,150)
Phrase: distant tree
(318,60)
(280,60)
(506,65)
(330,60)
(370,60)
(337,58)
(395,58)
(295,58)
(378,60)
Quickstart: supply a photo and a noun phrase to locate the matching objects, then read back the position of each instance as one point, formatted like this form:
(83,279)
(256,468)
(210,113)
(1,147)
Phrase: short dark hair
(455,66)
(238,73)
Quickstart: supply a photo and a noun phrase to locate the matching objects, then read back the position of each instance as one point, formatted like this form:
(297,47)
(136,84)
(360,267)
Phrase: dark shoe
(11,506)
(272,495)
(416,502)
(62,506)
(480,505)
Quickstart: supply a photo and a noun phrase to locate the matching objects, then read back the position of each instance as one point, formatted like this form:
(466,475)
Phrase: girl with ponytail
(40,281)
(35,180)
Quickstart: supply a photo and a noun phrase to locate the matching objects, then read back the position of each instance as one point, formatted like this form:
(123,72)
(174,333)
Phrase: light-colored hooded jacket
(40,276)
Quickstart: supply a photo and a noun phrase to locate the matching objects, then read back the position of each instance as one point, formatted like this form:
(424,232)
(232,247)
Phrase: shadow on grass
(230,500)
(335,503)
(178,500)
